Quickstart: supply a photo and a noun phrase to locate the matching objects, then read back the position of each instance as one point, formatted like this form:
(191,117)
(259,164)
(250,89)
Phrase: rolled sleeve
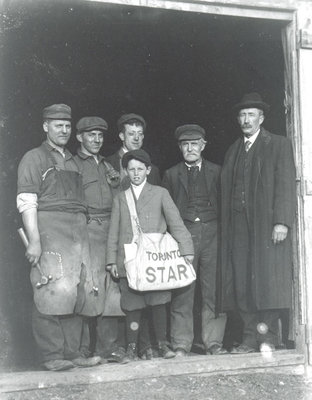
(26,201)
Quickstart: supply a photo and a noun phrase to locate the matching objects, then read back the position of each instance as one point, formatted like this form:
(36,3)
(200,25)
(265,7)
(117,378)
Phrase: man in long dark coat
(258,208)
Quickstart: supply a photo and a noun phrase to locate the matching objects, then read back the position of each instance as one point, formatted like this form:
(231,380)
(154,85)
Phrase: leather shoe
(118,356)
(147,354)
(84,362)
(165,352)
(243,349)
(180,353)
(216,350)
(132,352)
(58,365)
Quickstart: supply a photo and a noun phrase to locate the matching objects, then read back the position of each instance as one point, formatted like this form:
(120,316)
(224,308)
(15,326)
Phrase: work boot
(84,362)
(58,365)
(147,354)
(132,352)
(164,351)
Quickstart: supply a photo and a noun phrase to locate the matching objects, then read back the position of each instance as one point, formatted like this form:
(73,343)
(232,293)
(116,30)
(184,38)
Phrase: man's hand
(189,259)
(33,252)
(279,233)
(112,268)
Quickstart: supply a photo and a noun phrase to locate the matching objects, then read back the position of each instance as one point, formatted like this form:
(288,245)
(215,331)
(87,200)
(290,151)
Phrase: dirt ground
(258,386)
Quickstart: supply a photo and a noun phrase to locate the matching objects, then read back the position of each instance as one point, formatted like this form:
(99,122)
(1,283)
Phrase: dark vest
(199,205)
(242,177)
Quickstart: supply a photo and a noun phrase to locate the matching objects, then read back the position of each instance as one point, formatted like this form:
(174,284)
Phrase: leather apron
(65,252)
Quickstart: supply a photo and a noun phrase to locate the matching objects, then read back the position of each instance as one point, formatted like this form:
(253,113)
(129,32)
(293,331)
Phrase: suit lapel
(208,175)
(145,196)
(182,175)
(261,149)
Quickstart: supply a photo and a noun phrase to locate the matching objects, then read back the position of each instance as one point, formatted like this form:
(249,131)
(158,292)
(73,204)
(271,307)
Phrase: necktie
(194,171)
(247,145)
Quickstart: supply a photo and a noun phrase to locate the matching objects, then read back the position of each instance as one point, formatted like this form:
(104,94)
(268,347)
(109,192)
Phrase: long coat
(272,200)
(156,212)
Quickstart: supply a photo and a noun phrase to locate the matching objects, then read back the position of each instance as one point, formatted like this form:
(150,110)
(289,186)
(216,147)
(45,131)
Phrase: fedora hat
(252,100)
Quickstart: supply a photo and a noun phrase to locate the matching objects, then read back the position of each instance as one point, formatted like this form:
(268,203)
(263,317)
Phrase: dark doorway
(172,67)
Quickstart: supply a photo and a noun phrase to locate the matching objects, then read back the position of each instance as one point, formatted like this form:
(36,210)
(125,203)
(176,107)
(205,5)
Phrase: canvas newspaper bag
(153,260)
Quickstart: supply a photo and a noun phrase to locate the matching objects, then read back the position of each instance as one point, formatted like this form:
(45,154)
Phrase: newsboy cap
(57,111)
(86,124)
(130,118)
(189,132)
(252,100)
(139,155)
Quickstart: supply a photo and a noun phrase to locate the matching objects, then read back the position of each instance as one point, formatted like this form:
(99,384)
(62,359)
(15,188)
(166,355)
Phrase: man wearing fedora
(51,201)
(193,185)
(258,208)
(131,129)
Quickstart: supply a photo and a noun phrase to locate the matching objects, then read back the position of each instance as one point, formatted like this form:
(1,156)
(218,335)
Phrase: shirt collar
(252,138)
(66,154)
(198,164)
(84,156)
(137,189)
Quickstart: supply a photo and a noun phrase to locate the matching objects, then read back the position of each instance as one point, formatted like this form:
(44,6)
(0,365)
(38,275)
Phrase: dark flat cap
(252,100)
(139,155)
(86,124)
(128,119)
(189,132)
(57,111)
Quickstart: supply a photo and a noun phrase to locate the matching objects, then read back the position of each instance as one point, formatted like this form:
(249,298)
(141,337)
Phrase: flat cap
(252,100)
(189,132)
(86,124)
(139,155)
(57,111)
(130,118)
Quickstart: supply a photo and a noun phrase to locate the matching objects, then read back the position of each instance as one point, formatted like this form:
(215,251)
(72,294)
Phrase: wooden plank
(288,360)
(266,10)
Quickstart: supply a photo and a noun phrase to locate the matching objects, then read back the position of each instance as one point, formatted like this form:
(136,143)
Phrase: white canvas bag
(153,260)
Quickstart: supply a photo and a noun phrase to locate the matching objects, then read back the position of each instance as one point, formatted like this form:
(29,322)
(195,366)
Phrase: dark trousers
(58,337)
(204,237)
(243,288)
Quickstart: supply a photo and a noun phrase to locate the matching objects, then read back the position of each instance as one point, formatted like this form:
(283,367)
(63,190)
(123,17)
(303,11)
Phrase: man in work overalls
(100,182)
(51,200)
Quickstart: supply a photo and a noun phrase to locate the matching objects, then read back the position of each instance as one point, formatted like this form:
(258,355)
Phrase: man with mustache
(51,201)
(258,208)
(193,186)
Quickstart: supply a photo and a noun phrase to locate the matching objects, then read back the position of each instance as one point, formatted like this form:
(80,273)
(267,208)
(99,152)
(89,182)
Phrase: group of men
(240,218)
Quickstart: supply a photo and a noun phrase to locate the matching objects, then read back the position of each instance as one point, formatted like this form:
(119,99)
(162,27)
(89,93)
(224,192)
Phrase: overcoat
(272,200)
(156,212)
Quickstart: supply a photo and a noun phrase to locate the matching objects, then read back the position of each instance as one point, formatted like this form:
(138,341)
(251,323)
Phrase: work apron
(65,255)
(97,227)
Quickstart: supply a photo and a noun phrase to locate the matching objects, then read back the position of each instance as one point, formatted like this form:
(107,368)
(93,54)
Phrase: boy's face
(137,171)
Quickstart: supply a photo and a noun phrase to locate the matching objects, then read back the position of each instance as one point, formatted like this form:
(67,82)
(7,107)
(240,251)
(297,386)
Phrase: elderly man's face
(249,120)
(191,150)
(132,136)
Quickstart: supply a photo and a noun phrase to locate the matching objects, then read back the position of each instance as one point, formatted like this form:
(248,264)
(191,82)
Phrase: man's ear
(261,119)
(148,170)
(79,137)
(122,136)
(45,126)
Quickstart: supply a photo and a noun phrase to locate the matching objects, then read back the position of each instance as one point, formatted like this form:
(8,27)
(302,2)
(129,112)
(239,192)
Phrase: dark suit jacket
(153,178)
(175,181)
(156,212)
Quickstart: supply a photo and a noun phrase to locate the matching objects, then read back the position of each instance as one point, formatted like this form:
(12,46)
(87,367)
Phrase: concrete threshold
(283,361)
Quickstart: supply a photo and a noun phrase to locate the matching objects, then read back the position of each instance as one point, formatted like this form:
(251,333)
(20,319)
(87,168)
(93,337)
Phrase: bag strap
(136,229)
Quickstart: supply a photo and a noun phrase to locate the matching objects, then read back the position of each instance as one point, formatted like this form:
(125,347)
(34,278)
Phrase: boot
(164,351)
(132,352)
